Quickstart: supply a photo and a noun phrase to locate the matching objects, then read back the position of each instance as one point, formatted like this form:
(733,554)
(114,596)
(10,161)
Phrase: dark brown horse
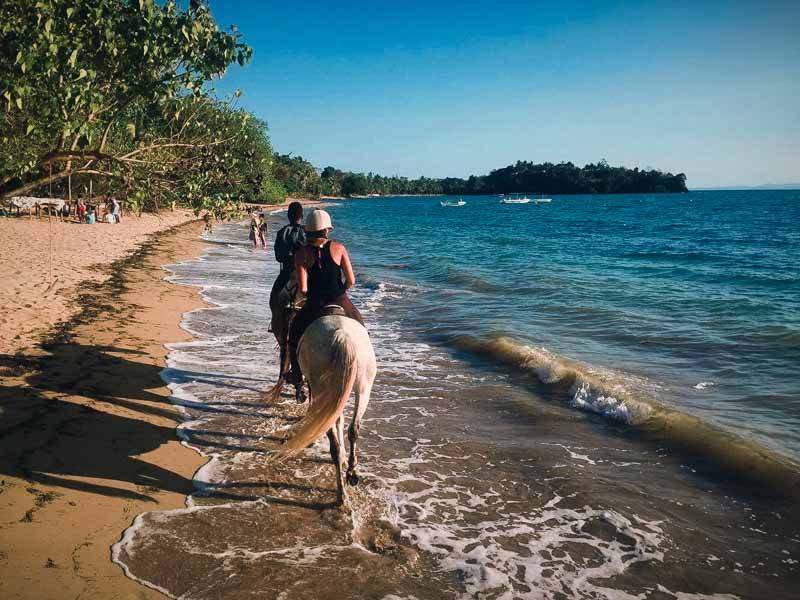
(283,312)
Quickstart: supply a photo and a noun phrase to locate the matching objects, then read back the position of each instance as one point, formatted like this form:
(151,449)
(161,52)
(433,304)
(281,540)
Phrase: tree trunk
(36,183)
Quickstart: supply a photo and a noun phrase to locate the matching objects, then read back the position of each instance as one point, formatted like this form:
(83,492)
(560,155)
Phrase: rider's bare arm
(347,267)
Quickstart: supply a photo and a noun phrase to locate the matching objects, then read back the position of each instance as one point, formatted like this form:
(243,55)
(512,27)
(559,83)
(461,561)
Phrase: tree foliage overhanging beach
(120,92)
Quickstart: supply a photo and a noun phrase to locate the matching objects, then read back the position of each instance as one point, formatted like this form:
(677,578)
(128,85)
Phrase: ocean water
(695,295)
(593,398)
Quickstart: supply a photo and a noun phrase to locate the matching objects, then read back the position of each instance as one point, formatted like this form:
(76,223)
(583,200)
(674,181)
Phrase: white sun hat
(317,220)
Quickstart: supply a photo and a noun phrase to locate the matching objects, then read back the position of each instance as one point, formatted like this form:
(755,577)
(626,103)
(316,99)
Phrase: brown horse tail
(330,391)
(273,394)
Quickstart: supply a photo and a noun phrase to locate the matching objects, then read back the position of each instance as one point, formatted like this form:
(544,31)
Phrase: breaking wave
(625,400)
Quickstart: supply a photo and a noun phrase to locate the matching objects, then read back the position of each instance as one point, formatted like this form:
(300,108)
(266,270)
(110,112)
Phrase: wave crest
(589,390)
(617,398)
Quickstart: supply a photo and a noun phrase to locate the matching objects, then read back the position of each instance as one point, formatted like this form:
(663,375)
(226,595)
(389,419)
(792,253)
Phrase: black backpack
(288,239)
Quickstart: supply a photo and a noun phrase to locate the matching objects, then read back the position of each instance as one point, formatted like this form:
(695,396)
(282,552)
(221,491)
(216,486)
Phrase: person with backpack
(288,239)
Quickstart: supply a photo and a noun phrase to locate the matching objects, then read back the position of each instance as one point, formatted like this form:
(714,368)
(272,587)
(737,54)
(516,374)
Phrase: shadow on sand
(58,429)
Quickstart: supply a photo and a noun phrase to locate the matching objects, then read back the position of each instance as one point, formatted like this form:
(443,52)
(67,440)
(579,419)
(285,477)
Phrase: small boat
(458,202)
(542,200)
(515,200)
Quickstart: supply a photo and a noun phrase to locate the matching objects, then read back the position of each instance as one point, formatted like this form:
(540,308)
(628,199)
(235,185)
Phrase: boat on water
(447,203)
(542,200)
(515,200)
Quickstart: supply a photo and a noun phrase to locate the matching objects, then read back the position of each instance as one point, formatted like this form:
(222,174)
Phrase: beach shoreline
(89,430)
(456,456)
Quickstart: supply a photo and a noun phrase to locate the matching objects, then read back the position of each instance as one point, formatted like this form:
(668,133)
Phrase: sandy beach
(88,430)
(44,260)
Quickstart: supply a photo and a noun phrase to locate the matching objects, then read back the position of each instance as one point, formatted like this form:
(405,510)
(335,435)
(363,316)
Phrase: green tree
(297,175)
(118,66)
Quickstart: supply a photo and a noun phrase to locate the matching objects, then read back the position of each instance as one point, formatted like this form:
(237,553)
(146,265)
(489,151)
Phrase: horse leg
(336,452)
(280,330)
(283,354)
(274,393)
(300,392)
(341,492)
(352,476)
(334,445)
(300,395)
(362,400)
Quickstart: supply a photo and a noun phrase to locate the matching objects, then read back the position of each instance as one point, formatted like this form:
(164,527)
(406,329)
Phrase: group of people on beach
(86,213)
(319,271)
(258,230)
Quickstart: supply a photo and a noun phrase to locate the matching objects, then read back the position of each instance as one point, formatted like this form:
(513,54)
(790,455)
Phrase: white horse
(336,356)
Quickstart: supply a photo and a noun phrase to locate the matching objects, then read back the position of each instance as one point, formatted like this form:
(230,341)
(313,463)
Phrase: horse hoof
(300,396)
(352,478)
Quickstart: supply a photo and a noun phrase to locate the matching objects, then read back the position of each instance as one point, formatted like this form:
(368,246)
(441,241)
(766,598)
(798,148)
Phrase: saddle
(331,310)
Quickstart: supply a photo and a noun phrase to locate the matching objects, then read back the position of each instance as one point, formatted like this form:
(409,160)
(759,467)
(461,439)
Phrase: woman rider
(324,274)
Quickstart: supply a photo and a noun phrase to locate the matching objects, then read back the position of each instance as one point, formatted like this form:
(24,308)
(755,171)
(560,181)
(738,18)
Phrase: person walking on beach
(116,210)
(254,227)
(263,230)
(324,274)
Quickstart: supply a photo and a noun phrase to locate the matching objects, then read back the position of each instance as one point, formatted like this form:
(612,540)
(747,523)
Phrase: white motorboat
(542,200)
(515,200)
(446,203)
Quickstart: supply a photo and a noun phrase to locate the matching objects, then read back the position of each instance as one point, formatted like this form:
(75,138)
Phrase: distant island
(299,178)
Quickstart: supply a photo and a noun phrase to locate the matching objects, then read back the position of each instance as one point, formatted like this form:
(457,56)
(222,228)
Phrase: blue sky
(440,89)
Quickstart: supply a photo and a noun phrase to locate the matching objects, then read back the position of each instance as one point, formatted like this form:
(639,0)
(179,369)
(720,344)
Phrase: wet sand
(88,431)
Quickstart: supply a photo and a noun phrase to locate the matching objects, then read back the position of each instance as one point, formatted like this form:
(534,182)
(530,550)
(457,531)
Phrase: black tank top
(325,277)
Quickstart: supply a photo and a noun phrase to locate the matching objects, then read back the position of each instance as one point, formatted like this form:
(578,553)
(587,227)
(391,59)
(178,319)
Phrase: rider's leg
(280,282)
(299,324)
(349,309)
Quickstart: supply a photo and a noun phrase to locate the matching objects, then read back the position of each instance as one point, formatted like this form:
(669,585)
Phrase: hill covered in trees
(299,177)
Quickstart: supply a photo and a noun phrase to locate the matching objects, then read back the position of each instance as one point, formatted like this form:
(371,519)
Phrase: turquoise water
(508,447)
(686,301)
